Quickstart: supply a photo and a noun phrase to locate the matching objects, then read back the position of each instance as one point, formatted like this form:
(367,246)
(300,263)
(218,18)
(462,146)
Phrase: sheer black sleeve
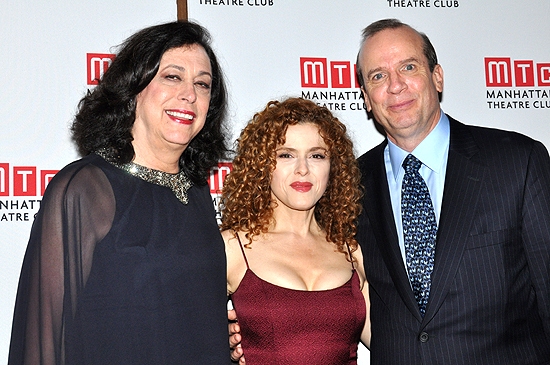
(76,213)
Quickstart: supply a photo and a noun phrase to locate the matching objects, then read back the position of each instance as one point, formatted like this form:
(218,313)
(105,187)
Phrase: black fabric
(490,289)
(118,271)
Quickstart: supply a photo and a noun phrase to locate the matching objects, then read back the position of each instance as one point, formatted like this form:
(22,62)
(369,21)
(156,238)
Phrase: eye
(409,67)
(377,77)
(203,85)
(173,77)
(284,155)
(319,155)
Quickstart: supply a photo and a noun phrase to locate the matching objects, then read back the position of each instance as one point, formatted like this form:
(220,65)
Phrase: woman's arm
(76,212)
(366,334)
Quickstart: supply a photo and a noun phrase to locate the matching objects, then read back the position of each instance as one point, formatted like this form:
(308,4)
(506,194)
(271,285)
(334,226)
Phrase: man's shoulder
(374,155)
(477,130)
(486,137)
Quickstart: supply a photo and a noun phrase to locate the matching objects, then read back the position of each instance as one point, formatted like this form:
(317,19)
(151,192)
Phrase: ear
(366,97)
(437,78)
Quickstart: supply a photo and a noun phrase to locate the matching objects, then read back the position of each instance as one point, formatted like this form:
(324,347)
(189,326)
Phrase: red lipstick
(181,116)
(301,186)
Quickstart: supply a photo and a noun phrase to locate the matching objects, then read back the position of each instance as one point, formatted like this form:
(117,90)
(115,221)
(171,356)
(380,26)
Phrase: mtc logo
(24,180)
(217,176)
(97,63)
(502,72)
(318,72)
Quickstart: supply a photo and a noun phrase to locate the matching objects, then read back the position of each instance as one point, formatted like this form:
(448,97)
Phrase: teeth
(179,115)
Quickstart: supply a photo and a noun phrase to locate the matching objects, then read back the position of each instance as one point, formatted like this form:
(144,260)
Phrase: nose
(302,167)
(396,83)
(187,92)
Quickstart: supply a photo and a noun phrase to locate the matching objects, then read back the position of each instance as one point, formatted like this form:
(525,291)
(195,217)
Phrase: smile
(181,117)
(301,186)
(402,105)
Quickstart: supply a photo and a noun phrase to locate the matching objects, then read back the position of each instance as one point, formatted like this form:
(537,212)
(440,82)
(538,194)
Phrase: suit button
(424,337)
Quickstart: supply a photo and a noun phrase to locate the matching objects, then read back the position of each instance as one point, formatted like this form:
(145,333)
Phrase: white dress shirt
(433,152)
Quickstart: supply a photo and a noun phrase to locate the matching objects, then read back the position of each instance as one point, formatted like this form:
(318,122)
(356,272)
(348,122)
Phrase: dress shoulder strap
(242,249)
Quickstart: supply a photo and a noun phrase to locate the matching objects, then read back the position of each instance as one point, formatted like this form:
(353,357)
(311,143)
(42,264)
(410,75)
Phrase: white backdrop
(267,46)
(43,73)
(261,44)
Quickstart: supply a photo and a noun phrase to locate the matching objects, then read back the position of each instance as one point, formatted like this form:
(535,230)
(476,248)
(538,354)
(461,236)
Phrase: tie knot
(411,164)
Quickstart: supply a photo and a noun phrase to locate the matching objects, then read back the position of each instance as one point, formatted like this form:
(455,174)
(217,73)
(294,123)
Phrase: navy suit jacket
(490,295)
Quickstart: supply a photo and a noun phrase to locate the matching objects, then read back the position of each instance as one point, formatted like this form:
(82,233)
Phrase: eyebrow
(182,69)
(318,148)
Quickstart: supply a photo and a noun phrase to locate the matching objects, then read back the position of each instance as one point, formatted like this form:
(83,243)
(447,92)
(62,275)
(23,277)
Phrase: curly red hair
(247,204)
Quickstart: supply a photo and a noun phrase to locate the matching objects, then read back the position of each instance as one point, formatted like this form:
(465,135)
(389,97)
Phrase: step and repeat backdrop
(495,55)
(50,51)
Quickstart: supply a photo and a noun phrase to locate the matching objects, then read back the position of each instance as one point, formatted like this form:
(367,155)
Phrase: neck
(301,223)
(407,143)
(409,140)
(166,161)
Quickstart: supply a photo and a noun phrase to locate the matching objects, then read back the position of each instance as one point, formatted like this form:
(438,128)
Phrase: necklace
(179,183)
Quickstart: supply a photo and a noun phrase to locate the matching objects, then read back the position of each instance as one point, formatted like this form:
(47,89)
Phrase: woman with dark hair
(294,269)
(125,263)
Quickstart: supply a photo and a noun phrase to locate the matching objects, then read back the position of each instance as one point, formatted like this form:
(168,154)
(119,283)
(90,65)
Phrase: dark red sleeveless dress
(285,326)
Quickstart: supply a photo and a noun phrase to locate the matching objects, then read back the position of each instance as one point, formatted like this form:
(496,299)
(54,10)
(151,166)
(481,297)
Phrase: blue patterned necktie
(419,230)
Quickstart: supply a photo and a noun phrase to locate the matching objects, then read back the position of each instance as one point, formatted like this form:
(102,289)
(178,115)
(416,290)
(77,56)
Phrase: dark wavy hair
(380,25)
(247,204)
(107,113)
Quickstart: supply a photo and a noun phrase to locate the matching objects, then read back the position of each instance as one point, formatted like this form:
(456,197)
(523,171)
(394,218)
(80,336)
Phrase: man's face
(399,88)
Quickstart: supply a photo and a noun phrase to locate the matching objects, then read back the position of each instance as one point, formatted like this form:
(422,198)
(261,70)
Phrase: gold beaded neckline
(179,183)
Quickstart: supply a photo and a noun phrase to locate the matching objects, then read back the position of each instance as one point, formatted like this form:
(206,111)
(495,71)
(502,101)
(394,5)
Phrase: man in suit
(484,297)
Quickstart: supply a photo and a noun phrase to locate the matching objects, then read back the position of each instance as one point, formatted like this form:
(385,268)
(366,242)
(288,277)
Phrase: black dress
(119,271)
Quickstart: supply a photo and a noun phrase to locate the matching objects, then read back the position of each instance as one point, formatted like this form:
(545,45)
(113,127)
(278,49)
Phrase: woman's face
(172,109)
(302,170)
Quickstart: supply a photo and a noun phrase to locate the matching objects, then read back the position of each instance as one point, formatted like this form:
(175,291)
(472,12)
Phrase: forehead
(193,53)
(391,45)
(304,133)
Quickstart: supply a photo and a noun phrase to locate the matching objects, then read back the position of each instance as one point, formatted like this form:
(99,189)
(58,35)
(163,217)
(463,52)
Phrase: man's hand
(235,338)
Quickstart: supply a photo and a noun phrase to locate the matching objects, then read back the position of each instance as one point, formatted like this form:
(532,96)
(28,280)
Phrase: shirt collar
(431,151)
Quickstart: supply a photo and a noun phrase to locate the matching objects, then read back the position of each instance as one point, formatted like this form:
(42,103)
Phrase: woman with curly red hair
(295,271)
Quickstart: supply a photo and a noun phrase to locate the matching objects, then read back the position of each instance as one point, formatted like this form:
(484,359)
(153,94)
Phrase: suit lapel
(377,205)
(463,180)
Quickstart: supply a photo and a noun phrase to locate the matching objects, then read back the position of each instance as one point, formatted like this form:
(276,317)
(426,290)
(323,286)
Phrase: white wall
(262,41)
(43,47)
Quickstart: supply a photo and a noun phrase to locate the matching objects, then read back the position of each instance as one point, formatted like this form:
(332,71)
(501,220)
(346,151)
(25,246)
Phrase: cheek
(199,126)
(368,104)
(323,176)
(375,98)
(204,102)
(142,107)
(422,86)
(151,93)
(366,98)
(275,180)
